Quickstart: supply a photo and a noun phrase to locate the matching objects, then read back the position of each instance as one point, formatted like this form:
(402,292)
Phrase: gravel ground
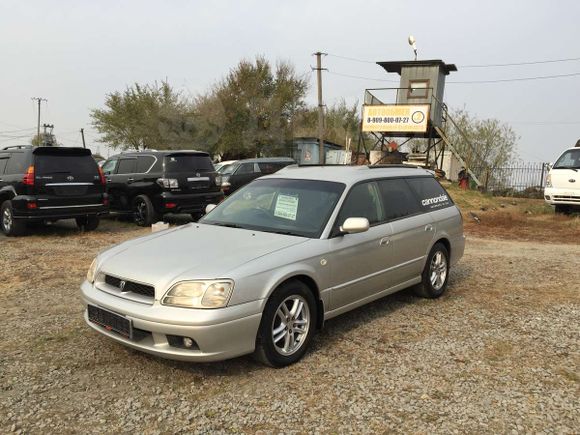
(498,353)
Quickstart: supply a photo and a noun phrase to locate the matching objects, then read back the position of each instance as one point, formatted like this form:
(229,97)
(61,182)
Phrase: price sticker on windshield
(286,207)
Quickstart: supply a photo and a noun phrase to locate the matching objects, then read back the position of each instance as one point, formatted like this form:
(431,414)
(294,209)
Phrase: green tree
(252,110)
(340,121)
(146,116)
(482,143)
(44,139)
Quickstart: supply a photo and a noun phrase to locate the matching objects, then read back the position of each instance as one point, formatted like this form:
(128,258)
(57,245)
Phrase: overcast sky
(74,52)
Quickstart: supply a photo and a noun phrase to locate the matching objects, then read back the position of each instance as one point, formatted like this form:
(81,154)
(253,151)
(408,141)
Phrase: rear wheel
(287,325)
(88,223)
(144,213)
(435,274)
(10,226)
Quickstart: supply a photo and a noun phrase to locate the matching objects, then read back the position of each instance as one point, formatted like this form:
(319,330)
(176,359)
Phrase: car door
(245,173)
(360,263)
(120,182)
(412,229)
(109,168)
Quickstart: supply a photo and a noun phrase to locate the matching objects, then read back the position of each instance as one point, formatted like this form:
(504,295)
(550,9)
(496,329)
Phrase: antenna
(413,43)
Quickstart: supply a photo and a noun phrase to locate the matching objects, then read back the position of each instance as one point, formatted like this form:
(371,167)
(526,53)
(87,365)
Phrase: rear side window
(398,200)
(144,163)
(270,167)
(64,164)
(431,194)
(245,168)
(188,163)
(127,166)
(3,161)
(16,164)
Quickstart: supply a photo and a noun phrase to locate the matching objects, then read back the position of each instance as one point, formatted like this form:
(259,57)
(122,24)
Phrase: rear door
(194,172)
(119,182)
(66,177)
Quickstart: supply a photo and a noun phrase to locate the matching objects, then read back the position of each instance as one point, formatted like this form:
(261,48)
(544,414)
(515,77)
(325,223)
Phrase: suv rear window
(188,163)
(54,164)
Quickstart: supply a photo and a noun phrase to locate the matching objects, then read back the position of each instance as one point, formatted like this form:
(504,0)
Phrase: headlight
(199,294)
(549,180)
(92,272)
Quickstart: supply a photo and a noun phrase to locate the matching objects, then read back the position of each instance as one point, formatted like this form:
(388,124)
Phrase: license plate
(110,321)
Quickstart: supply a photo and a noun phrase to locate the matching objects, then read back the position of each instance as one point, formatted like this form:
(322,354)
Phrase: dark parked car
(149,184)
(47,184)
(242,172)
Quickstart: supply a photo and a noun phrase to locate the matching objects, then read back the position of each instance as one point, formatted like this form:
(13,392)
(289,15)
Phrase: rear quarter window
(144,163)
(3,161)
(432,196)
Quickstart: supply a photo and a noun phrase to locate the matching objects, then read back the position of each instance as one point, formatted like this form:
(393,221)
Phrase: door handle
(130,180)
(108,180)
(428,227)
(385,241)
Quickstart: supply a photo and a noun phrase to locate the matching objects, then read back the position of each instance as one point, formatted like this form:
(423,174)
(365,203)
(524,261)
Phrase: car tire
(88,223)
(10,226)
(293,337)
(562,209)
(435,274)
(144,213)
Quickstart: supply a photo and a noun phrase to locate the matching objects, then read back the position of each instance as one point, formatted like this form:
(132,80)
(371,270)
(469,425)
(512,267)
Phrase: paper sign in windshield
(286,207)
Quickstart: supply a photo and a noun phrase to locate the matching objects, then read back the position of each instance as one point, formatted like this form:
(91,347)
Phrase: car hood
(562,178)
(194,251)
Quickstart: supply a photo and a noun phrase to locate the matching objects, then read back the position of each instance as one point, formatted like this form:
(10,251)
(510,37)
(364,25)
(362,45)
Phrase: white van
(563,182)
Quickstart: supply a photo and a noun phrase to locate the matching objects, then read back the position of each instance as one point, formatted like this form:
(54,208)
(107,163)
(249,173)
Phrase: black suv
(240,173)
(47,184)
(149,184)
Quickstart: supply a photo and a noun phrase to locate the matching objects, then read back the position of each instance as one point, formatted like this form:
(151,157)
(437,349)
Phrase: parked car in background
(47,184)
(149,184)
(306,244)
(223,165)
(242,172)
(563,182)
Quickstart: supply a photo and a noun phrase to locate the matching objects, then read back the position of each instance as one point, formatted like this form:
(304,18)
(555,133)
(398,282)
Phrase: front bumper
(189,202)
(219,334)
(554,196)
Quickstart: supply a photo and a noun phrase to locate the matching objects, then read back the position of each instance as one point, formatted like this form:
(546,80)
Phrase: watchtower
(415,111)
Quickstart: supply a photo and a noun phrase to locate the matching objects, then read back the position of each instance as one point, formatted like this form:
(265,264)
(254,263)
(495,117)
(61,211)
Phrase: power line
(491,65)
(516,79)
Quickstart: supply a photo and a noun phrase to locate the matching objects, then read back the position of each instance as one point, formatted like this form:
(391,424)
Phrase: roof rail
(397,165)
(18,147)
(307,165)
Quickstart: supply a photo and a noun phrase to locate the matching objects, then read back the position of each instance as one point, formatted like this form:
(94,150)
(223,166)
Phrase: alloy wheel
(290,325)
(438,270)
(7,220)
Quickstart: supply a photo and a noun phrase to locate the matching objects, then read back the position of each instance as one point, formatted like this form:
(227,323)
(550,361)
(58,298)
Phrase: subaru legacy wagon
(306,244)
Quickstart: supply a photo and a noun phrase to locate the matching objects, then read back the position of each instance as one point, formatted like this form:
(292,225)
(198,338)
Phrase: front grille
(130,286)
(567,198)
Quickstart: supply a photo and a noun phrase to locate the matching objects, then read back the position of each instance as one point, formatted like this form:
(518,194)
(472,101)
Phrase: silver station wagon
(263,270)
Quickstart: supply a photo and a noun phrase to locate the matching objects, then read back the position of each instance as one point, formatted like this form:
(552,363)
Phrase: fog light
(187,342)
(547,197)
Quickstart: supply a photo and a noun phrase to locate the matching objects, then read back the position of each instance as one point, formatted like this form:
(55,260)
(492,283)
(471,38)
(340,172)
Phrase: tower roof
(396,66)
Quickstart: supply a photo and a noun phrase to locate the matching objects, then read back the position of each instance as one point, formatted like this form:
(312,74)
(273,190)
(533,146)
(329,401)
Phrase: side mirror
(355,225)
(209,208)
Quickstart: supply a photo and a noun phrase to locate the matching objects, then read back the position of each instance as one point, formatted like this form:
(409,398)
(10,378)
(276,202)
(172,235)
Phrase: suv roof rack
(18,147)
(398,165)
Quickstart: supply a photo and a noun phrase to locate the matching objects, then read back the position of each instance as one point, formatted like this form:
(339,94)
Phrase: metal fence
(523,179)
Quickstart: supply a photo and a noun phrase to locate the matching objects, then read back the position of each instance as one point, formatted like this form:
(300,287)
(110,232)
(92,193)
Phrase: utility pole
(39,100)
(45,140)
(319,69)
(83,136)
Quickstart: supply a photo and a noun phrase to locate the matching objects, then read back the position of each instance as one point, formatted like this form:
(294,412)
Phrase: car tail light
(28,179)
(31,205)
(170,205)
(102,176)
(168,183)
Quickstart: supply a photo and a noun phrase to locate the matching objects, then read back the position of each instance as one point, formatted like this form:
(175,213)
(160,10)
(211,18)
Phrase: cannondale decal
(435,200)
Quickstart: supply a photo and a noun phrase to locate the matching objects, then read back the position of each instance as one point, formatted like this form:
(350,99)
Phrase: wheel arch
(309,282)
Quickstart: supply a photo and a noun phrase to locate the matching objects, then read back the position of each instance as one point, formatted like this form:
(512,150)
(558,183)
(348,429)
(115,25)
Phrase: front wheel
(9,225)
(287,325)
(435,274)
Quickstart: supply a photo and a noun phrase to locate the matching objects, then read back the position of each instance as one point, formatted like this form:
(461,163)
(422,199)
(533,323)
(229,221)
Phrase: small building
(305,150)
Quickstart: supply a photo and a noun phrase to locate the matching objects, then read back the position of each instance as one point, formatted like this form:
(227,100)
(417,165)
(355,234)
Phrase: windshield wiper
(283,232)
(566,167)
(223,224)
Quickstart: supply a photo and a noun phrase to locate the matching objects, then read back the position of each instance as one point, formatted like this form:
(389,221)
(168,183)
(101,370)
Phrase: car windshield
(569,160)
(283,206)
